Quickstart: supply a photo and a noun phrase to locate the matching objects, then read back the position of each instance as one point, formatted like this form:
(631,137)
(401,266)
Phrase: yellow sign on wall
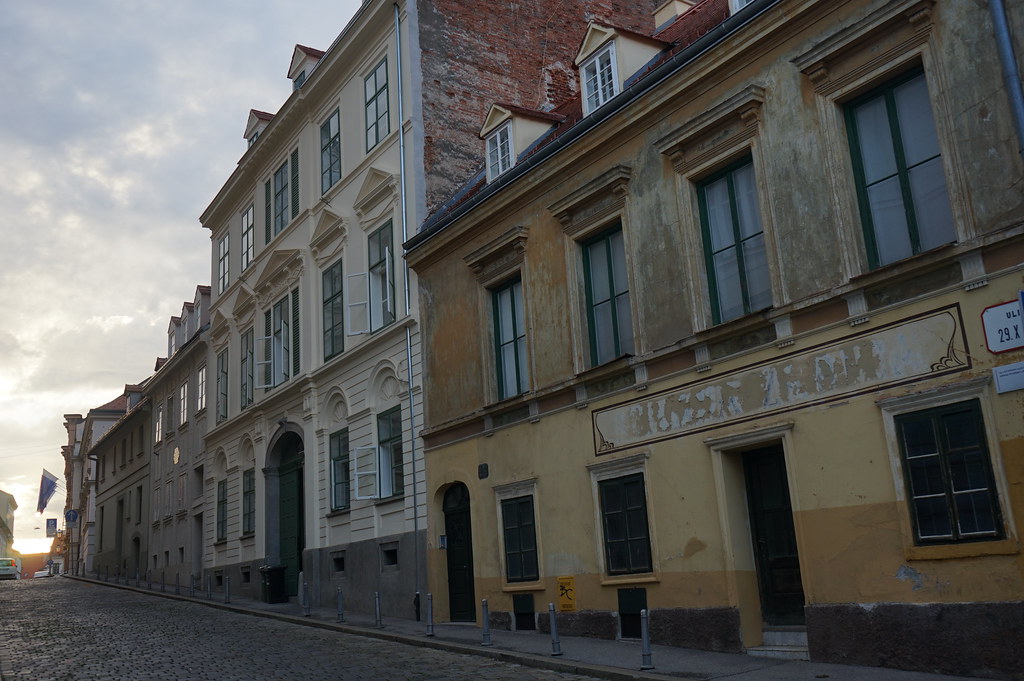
(566,594)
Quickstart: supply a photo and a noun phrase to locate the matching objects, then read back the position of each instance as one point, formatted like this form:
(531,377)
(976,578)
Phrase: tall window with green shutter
(627,542)
(281,196)
(330,152)
(734,247)
(222,385)
(341,497)
(248,365)
(277,352)
(222,510)
(376,91)
(520,536)
(897,166)
(510,339)
(609,314)
(333,311)
(382,278)
(249,501)
(389,450)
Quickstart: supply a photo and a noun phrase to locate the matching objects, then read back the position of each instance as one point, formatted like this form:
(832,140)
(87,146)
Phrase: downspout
(408,308)
(1011,74)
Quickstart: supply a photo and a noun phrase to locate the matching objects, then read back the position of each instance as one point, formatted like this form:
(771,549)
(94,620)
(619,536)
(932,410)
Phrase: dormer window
(600,80)
(252,140)
(499,151)
(299,80)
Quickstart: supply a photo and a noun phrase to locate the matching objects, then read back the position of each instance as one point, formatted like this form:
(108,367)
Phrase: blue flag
(47,486)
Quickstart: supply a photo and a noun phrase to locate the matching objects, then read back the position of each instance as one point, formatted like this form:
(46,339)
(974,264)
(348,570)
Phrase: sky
(119,122)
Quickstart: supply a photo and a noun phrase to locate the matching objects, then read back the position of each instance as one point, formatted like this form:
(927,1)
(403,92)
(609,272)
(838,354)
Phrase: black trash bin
(272,584)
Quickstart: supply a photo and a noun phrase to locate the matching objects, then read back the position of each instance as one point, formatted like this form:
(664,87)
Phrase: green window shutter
(295,183)
(268,368)
(269,195)
(295,332)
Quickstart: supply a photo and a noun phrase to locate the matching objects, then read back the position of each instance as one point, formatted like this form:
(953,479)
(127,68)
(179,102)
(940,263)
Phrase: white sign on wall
(1004,330)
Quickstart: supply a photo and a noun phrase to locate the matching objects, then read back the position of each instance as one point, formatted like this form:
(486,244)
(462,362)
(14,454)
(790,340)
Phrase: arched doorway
(285,504)
(457,528)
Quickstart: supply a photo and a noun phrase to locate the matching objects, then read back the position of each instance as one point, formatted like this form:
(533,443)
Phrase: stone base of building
(715,629)
(966,639)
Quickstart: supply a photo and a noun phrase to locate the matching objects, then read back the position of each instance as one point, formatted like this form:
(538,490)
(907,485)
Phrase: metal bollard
(486,615)
(136,578)
(305,599)
(645,642)
(149,579)
(376,610)
(177,583)
(163,581)
(341,606)
(227,589)
(430,614)
(209,587)
(556,645)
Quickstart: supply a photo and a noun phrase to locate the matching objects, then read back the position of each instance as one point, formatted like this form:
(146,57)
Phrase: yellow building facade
(738,343)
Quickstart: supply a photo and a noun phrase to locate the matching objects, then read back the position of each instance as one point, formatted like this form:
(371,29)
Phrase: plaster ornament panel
(500,257)
(594,202)
(329,237)
(377,196)
(927,346)
(280,273)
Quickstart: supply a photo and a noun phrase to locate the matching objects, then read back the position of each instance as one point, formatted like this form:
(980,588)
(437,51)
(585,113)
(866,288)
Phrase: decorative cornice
(499,257)
(602,196)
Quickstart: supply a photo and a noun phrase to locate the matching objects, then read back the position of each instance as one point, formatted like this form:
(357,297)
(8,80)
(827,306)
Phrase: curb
(509,656)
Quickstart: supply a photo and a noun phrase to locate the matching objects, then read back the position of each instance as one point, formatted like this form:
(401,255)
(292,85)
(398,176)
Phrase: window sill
(621,580)
(339,513)
(247,536)
(997,547)
(220,543)
(517,587)
(389,500)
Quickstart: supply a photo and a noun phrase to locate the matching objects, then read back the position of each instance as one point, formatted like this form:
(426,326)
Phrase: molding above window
(817,62)
(594,202)
(632,463)
(329,236)
(511,490)
(499,258)
(280,273)
(378,192)
(717,132)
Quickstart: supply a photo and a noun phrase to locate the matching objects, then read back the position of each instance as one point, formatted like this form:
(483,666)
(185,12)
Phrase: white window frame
(276,347)
(183,404)
(499,151)
(365,474)
(248,236)
(605,77)
(201,389)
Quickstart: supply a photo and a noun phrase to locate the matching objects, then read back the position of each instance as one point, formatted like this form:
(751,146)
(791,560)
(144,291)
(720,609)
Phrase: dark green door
(771,524)
(461,599)
(292,542)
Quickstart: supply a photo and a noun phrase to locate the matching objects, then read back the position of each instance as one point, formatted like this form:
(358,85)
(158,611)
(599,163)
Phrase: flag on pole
(47,486)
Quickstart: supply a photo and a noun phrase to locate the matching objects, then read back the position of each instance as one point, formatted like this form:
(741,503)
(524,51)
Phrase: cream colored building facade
(699,353)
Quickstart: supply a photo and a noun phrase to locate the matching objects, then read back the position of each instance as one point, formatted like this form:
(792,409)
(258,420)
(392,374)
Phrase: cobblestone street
(60,629)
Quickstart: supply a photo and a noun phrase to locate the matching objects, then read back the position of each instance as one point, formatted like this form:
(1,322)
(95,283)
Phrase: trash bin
(272,584)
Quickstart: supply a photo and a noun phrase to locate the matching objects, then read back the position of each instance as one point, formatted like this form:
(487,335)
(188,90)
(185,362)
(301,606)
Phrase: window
(382,278)
(608,309)
(334,312)
(158,425)
(222,267)
(299,80)
(183,404)
(737,5)
(281,198)
(520,539)
(248,242)
(340,477)
(499,151)
(510,340)
(330,152)
(246,374)
(222,386)
(897,165)
(169,415)
(222,510)
(734,248)
(600,81)
(249,501)
(280,345)
(181,491)
(201,389)
(627,545)
(376,88)
(948,474)
(389,449)
(138,504)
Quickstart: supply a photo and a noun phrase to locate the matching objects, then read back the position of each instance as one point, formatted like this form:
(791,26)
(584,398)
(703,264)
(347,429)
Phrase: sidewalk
(613,660)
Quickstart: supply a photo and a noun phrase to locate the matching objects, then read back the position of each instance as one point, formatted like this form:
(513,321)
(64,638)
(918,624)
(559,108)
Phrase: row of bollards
(486,638)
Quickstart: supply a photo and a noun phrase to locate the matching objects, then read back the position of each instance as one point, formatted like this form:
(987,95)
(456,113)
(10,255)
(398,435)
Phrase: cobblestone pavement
(65,630)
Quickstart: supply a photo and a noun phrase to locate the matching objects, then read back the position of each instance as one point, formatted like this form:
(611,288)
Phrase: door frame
(271,528)
(734,518)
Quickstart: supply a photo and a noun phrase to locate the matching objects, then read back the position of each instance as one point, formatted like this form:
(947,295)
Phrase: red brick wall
(474,54)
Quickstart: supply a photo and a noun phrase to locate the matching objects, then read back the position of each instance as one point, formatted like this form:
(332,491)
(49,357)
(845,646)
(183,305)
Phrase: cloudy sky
(119,121)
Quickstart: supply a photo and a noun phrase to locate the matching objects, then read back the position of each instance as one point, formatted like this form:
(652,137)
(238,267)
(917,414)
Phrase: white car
(8,568)
(41,573)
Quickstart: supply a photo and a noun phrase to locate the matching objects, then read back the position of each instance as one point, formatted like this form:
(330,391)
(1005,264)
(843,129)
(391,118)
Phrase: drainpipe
(1011,74)
(402,172)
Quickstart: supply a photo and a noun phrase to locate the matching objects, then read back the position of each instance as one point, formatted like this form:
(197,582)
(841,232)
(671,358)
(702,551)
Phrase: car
(41,573)
(8,568)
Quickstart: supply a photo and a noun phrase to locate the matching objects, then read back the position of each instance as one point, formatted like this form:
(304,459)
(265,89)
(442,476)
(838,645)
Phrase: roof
(310,51)
(683,32)
(119,403)
(262,115)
